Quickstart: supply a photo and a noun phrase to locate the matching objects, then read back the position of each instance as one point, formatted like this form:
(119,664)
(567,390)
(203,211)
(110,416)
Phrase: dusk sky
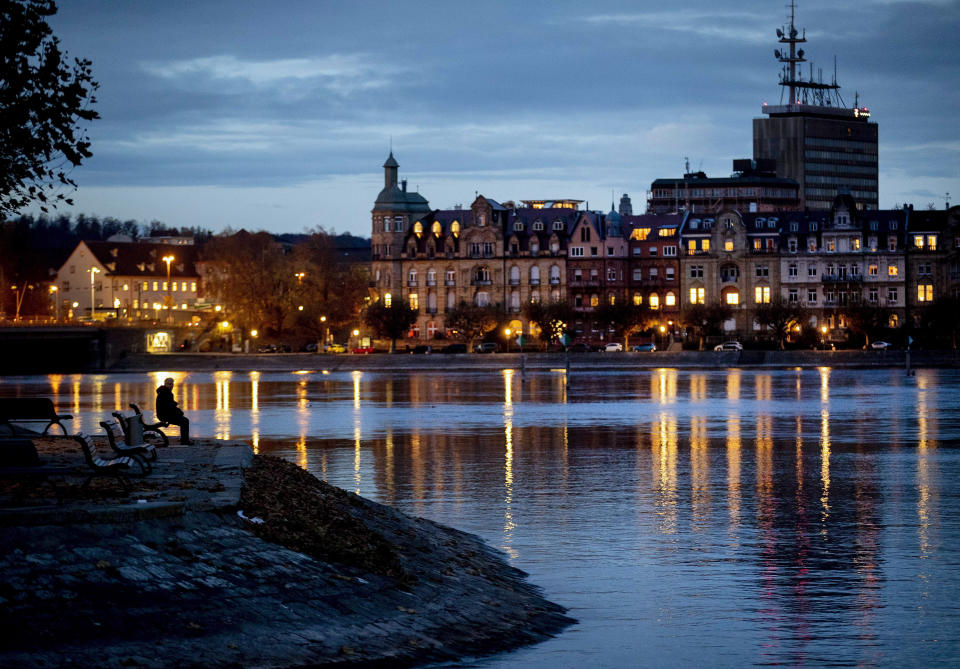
(279,115)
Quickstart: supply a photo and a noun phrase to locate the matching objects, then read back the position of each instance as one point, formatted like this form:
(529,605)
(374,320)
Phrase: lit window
(918,241)
(671,299)
(892,270)
(873,270)
(387,300)
(654,301)
(436,230)
(455,228)
(733,298)
(925,292)
(761,294)
(691,246)
(594,300)
(173,286)
(728,245)
(697,296)
(126,286)
(156,286)
(855,243)
(164,285)
(640,234)
(932,242)
(637,299)
(705,245)
(757,244)
(414,301)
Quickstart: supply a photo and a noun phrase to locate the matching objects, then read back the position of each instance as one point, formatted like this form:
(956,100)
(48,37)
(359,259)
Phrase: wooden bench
(115,434)
(133,424)
(118,467)
(26,409)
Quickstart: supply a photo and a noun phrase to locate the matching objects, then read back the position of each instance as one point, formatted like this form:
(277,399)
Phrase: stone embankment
(171,575)
(533,361)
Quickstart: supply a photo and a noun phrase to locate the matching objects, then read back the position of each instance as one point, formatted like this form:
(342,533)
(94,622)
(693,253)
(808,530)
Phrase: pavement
(172,575)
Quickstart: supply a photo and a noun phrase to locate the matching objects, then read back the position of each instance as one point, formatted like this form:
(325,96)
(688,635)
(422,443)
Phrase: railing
(481,282)
(412,282)
(554,280)
(431,282)
(534,282)
(514,282)
(836,278)
(450,282)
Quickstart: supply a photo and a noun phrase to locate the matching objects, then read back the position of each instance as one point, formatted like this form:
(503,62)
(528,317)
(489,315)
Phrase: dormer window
(558,225)
(436,229)
(538,225)
(518,226)
(455,228)
(418,229)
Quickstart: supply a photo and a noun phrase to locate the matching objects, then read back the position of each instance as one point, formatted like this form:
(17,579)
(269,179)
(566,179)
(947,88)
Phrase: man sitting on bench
(169,412)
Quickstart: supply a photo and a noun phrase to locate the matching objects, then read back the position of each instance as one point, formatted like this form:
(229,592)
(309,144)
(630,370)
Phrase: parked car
(267,348)
(363,350)
(729,346)
(311,347)
(579,347)
(613,347)
(881,345)
(645,347)
(487,347)
(422,349)
(337,348)
(454,348)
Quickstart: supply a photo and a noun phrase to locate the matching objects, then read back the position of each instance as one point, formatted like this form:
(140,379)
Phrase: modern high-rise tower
(827,147)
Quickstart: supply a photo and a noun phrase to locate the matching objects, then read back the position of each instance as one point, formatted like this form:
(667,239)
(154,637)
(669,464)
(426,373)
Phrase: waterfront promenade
(197,566)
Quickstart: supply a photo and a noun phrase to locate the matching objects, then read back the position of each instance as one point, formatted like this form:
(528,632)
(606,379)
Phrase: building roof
(142,259)
(394,198)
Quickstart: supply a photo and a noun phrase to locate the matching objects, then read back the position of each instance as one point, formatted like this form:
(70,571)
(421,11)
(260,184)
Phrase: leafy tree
(705,319)
(780,316)
(553,318)
(943,318)
(391,322)
(623,318)
(868,320)
(250,274)
(470,322)
(43,100)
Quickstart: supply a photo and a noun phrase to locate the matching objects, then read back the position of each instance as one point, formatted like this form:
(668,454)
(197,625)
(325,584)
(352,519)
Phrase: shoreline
(181,579)
(239,362)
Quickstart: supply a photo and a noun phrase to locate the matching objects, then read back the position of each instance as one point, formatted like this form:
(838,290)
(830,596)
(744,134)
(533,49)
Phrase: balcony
(534,282)
(431,310)
(846,278)
(431,282)
(450,282)
(554,280)
(514,282)
(412,283)
(481,282)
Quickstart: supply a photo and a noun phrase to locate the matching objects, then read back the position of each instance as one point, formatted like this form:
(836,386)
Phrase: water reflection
(782,517)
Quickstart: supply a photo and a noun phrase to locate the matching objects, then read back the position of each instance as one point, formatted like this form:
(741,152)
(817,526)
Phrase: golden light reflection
(926,474)
(733,470)
(255,392)
(77,416)
(733,385)
(698,387)
(663,448)
(117,397)
(763,387)
(663,386)
(390,485)
(356,375)
(98,380)
(302,452)
(824,384)
(699,472)
(508,522)
(221,414)
(824,467)
(764,447)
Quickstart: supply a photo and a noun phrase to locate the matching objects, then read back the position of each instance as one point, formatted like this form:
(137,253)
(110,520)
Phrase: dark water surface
(686,518)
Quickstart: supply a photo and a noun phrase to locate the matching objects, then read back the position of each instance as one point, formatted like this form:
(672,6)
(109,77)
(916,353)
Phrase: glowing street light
(93,274)
(506,335)
(169,297)
(300,276)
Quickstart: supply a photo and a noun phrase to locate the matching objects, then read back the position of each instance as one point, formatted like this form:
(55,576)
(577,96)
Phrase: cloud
(341,73)
(745,27)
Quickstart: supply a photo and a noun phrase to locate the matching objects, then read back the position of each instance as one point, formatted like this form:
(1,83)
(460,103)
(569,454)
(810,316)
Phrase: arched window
(482,274)
(515,300)
(418,228)
(387,300)
(483,299)
(671,299)
(654,301)
(412,251)
(455,228)
(534,246)
(637,299)
(432,302)
(431,277)
(514,276)
(436,229)
(451,300)
(554,274)
(611,274)
(534,276)
(412,278)
(554,246)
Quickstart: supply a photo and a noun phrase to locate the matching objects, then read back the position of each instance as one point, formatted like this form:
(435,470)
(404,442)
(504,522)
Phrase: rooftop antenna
(686,162)
(947,201)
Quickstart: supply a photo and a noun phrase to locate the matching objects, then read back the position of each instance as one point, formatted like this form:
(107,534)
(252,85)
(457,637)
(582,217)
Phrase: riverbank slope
(305,575)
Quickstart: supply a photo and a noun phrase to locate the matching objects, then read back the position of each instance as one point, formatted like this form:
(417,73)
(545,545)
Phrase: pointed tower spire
(390,171)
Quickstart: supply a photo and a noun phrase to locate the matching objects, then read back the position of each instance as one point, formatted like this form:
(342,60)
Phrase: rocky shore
(226,559)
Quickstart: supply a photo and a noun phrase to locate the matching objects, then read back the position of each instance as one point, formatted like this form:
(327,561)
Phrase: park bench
(115,434)
(136,431)
(30,409)
(119,467)
(19,461)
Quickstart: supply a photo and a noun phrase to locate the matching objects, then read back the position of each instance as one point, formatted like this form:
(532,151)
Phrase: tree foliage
(624,318)
(780,316)
(704,320)
(471,322)
(553,318)
(390,322)
(44,98)
(869,320)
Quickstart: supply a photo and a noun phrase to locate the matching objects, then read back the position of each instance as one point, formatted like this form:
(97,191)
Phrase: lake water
(686,518)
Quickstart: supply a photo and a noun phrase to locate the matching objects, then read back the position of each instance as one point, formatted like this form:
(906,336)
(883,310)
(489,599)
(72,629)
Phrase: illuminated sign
(158,342)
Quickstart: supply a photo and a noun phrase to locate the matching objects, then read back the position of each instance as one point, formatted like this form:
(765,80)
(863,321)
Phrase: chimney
(404,185)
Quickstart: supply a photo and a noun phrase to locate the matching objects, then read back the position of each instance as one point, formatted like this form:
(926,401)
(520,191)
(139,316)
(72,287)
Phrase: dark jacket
(167,408)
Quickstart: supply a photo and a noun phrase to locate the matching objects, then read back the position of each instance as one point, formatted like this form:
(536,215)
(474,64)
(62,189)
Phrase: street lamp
(19,294)
(169,298)
(93,274)
(300,276)
(506,335)
(56,303)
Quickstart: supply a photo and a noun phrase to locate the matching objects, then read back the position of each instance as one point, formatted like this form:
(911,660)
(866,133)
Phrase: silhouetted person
(169,412)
